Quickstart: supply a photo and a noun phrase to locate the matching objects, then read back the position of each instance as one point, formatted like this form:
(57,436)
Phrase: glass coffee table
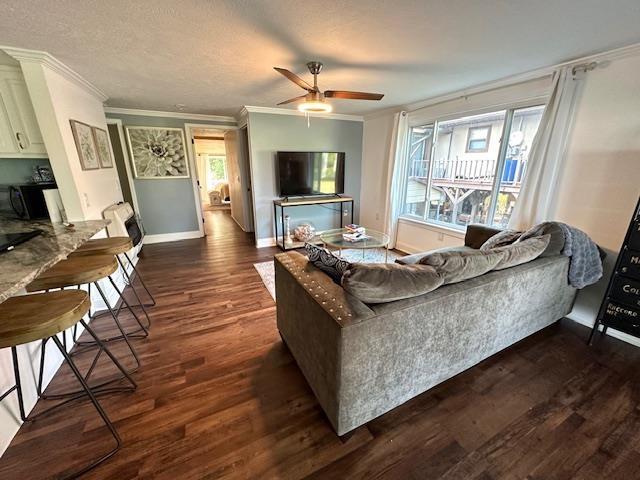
(333,238)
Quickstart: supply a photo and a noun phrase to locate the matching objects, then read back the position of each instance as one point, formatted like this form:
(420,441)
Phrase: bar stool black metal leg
(16,373)
(135,293)
(98,408)
(139,277)
(124,300)
(123,336)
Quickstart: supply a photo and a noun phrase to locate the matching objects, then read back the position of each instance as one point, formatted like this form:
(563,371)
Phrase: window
(458,173)
(216,169)
(478,139)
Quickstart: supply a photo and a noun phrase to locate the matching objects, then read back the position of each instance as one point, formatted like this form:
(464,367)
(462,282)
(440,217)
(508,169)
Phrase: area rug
(373,255)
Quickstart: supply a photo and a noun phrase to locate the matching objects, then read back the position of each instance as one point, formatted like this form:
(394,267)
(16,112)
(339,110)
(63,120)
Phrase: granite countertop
(21,265)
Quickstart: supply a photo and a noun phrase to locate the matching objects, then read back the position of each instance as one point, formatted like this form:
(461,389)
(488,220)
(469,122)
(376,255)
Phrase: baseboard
(171,237)
(265,242)
(588,322)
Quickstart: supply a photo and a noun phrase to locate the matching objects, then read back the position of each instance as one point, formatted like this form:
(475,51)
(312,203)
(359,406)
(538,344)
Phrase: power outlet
(440,237)
(86,200)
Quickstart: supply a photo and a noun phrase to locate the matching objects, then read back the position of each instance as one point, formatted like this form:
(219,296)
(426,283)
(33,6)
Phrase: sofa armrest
(340,305)
(477,234)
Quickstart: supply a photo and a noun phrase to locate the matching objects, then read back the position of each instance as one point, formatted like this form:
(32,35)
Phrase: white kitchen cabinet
(19,132)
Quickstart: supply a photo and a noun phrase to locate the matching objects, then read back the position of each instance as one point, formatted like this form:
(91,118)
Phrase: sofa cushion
(505,237)
(381,283)
(459,266)
(522,251)
(326,261)
(416,257)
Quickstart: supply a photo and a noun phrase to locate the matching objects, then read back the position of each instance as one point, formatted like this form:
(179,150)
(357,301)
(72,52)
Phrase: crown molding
(51,62)
(286,111)
(159,113)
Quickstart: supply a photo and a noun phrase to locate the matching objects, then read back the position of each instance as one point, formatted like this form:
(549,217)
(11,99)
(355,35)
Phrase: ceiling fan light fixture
(314,106)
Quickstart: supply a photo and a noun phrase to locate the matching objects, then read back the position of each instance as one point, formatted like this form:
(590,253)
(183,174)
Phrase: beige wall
(601,181)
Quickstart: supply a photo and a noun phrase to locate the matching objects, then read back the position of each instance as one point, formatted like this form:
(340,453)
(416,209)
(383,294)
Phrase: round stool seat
(28,318)
(75,271)
(105,246)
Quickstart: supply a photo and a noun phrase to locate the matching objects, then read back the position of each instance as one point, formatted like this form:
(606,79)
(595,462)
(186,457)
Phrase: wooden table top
(21,265)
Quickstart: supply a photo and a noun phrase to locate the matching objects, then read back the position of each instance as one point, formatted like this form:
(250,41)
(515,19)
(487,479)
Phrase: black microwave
(27,200)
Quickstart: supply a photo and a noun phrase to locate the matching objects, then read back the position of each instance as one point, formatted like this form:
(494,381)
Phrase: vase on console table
(287,238)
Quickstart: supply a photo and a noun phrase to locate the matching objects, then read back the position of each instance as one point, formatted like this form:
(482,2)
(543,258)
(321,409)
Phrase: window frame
(500,161)
(487,139)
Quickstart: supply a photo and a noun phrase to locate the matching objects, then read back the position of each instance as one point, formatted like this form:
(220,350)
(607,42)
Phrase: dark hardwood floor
(220,397)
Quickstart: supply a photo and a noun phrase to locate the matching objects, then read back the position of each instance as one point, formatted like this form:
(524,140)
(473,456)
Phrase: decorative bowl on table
(304,232)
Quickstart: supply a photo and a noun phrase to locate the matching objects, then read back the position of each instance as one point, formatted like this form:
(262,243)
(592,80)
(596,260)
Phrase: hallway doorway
(222,177)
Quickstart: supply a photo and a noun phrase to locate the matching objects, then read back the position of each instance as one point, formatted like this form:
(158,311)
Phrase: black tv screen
(310,173)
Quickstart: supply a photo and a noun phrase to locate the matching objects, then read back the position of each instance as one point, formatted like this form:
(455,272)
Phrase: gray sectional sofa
(363,360)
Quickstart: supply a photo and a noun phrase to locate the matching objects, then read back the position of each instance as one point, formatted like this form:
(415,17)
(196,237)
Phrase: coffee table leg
(363,254)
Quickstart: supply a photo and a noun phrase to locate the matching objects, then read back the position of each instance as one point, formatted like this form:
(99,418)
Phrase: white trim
(159,113)
(265,242)
(171,237)
(18,155)
(610,331)
(243,117)
(127,162)
(508,81)
(287,111)
(44,58)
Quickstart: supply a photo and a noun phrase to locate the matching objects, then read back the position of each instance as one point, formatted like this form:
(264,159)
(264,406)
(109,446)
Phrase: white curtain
(396,174)
(538,195)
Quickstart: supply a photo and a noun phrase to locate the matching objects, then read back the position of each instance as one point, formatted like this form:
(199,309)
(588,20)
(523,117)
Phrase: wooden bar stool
(78,271)
(29,318)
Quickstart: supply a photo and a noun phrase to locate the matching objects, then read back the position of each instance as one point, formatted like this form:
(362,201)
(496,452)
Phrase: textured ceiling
(215,56)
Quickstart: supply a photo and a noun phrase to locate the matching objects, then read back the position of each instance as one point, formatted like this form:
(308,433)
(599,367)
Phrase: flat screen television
(310,173)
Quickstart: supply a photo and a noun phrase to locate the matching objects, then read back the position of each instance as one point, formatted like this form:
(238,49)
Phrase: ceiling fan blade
(352,95)
(295,99)
(294,78)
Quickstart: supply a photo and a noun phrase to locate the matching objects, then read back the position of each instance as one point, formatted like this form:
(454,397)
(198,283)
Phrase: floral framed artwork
(85,144)
(101,138)
(157,152)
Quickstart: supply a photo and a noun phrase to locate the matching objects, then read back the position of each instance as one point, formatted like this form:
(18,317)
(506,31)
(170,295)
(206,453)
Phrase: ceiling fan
(314,99)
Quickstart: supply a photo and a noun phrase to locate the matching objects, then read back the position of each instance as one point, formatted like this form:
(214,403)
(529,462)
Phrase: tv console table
(285,203)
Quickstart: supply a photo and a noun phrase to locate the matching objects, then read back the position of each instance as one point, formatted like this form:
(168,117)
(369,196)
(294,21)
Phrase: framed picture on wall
(85,145)
(157,152)
(101,138)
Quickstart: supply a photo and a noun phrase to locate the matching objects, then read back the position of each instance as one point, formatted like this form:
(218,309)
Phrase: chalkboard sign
(620,307)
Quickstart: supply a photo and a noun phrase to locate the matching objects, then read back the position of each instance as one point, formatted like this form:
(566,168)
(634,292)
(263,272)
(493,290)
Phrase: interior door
(233,174)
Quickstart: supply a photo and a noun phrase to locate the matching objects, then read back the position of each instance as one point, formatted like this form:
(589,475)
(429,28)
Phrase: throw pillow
(522,251)
(416,257)
(326,261)
(381,283)
(505,237)
(459,266)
